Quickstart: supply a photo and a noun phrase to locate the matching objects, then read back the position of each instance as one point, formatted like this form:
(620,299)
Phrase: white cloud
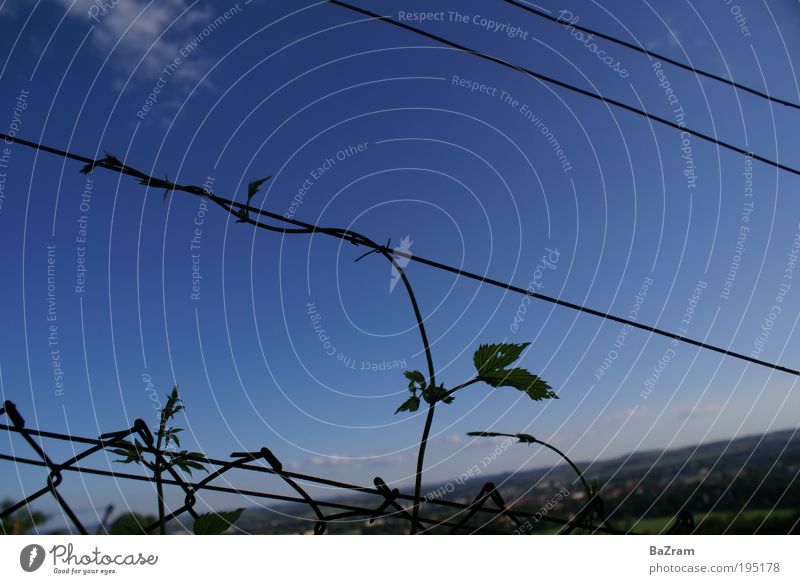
(151,31)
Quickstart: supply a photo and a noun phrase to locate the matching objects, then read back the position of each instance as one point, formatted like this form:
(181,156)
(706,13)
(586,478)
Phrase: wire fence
(489,510)
(488,513)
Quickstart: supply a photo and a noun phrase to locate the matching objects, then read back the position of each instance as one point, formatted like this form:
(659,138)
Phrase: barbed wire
(242,210)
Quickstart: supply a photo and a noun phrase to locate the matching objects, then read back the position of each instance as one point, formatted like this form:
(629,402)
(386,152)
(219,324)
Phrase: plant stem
(162,528)
(421,455)
(462,386)
(572,464)
(431,383)
(420,462)
(241,212)
(589,494)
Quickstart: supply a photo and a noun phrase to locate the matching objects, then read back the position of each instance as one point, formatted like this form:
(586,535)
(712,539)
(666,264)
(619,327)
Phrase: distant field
(751,521)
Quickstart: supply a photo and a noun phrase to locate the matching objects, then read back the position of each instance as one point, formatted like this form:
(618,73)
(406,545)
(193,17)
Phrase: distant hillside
(741,455)
(753,472)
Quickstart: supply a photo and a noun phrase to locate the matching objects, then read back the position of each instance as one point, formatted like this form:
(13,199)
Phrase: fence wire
(477,517)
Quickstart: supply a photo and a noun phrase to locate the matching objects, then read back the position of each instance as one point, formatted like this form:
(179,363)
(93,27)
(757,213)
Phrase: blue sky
(469,176)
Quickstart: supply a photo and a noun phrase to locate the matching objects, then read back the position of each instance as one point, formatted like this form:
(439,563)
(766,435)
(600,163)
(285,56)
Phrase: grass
(751,521)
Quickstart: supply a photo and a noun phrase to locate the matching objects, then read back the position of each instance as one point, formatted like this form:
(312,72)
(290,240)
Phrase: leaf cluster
(136,452)
(491,367)
(420,388)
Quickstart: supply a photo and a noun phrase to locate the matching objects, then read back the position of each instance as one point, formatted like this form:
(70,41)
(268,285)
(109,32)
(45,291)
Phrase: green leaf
(416,380)
(186,461)
(171,435)
(491,362)
(496,356)
(410,405)
(253,187)
(436,394)
(129,454)
(173,405)
(131,451)
(195,465)
(216,523)
(521,379)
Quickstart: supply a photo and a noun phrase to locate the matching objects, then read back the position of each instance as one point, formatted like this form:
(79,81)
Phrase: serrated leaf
(184,461)
(253,187)
(171,435)
(496,356)
(195,465)
(521,379)
(410,405)
(216,523)
(132,452)
(129,454)
(416,380)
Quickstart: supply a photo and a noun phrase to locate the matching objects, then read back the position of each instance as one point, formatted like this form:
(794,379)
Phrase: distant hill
(757,472)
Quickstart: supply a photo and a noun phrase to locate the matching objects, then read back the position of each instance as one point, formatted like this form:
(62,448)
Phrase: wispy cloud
(699,411)
(145,35)
(376,460)
(9,8)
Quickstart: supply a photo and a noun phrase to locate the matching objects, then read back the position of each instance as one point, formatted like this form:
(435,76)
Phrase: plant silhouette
(594,508)
(163,459)
(491,361)
(491,367)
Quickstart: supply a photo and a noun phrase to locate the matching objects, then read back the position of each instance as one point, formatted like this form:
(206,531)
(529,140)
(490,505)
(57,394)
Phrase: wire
(571,87)
(358,239)
(604,315)
(337,503)
(714,76)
